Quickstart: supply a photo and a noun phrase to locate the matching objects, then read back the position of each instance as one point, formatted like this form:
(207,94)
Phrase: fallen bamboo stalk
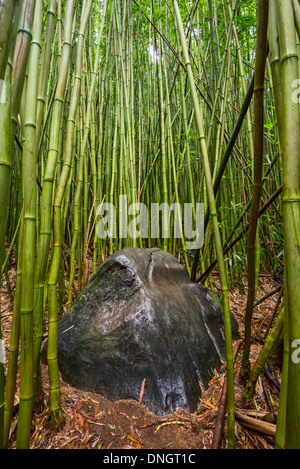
(256,424)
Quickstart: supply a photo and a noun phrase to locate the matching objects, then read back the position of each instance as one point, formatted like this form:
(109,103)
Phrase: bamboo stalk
(224,161)
(127,123)
(29,236)
(5,177)
(213,212)
(261,48)
(12,367)
(55,401)
(256,424)
(7,11)
(43,242)
(218,431)
(264,354)
(84,147)
(45,64)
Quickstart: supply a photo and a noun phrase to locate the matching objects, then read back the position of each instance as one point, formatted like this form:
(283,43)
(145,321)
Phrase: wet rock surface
(140,317)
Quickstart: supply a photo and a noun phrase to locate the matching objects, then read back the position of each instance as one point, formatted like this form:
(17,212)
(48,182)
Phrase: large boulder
(140,317)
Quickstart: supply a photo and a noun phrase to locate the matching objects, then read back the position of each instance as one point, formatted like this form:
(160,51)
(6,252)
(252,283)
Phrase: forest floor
(91,421)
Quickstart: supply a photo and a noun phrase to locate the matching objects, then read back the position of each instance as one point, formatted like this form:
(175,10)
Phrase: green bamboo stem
(29,236)
(7,11)
(12,366)
(55,401)
(275,63)
(221,73)
(20,59)
(212,206)
(165,198)
(227,247)
(83,150)
(5,159)
(5,155)
(264,354)
(175,177)
(43,242)
(281,418)
(261,49)
(225,160)
(138,135)
(296,7)
(291,210)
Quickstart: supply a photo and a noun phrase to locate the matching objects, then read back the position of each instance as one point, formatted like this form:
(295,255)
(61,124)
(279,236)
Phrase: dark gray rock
(141,317)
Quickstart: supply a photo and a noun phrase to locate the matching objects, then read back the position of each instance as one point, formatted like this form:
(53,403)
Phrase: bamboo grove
(162,102)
